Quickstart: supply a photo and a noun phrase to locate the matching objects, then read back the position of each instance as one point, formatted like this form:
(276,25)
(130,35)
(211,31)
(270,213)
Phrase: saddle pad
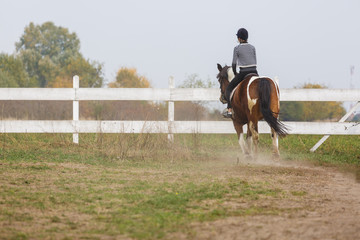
(250,81)
(276,81)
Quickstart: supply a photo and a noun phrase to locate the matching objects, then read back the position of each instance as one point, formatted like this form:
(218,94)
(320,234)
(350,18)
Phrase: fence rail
(170,95)
(216,127)
(166,94)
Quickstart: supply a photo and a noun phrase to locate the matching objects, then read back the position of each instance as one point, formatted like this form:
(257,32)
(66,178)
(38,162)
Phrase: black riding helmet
(243,34)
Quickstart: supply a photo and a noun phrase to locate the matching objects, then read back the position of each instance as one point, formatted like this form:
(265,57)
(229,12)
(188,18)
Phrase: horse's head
(224,74)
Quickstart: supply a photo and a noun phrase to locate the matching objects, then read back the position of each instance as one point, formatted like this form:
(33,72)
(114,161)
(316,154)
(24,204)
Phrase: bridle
(221,78)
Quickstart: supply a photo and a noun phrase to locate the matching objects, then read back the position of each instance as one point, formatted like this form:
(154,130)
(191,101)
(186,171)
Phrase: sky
(303,41)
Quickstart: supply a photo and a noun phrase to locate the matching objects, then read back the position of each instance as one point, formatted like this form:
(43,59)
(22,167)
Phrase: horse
(254,99)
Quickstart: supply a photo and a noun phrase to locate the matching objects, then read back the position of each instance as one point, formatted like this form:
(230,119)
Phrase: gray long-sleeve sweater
(244,55)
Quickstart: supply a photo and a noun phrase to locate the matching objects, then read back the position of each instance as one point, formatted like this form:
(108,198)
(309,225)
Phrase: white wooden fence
(171,95)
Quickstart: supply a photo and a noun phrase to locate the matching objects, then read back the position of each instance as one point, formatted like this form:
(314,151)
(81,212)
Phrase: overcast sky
(304,41)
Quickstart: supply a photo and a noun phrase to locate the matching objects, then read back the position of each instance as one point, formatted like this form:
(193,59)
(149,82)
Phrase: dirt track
(329,209)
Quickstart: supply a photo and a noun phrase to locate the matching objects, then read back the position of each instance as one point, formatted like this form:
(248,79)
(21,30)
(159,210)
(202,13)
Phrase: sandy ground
(330,209)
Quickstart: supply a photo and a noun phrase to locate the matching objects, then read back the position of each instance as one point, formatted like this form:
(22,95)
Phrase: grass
(115,201)
(137,186)
(336,150)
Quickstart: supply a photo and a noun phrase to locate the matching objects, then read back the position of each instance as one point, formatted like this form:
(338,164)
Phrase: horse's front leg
(239,130)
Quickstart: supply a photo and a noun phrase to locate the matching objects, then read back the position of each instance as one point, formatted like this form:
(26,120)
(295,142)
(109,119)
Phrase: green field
(140,186)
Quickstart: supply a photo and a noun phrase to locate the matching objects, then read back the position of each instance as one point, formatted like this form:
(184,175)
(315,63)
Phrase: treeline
(49,56)
(311,111)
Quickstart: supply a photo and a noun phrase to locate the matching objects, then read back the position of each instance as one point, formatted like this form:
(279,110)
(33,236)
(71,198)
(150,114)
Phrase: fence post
(76,109)
(171,112)
(343,119)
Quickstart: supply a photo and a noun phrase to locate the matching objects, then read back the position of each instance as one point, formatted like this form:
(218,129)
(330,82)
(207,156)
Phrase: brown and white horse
(255,98)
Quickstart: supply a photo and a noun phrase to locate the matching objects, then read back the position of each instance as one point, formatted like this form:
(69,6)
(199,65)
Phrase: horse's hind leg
(249,139)
(255,136)
(275,143)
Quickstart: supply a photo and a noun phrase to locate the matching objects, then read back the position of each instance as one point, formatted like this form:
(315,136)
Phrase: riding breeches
(237,79)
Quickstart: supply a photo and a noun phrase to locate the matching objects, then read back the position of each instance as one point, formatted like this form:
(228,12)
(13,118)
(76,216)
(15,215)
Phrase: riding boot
(226,113)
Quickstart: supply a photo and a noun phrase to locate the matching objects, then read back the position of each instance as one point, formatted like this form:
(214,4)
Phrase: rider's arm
(234,61)
(234,68)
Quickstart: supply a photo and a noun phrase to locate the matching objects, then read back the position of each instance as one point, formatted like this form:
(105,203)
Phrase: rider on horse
(245,58)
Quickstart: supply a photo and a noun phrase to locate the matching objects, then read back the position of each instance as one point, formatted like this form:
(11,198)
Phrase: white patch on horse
(231,74)
(251,102)
(242,143)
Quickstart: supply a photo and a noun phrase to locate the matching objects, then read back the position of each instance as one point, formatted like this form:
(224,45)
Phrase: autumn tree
(51,55)
(129,78)
(126,110)
(90,74)
(322,110)
(311,111)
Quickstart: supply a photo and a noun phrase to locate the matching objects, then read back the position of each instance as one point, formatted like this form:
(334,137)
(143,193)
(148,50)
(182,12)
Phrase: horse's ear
(219,67)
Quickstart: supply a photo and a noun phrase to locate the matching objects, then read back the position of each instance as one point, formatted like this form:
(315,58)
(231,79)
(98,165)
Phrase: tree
(90,74)
(321,110)
(126,78)
(47,51)
(311,111)
(291,111)
(6,80)
(193,81)
(129,78)
(13,74)
(193,110)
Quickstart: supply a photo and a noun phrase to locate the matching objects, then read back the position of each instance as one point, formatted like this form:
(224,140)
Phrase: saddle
(250,75)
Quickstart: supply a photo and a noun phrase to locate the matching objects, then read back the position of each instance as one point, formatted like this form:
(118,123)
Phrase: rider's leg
(227,113)
(232,85)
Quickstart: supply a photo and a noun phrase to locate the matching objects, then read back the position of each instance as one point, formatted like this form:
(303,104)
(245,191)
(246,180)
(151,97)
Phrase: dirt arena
(330,209)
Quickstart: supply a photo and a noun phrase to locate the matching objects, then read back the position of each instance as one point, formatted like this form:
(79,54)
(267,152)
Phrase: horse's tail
(264,89)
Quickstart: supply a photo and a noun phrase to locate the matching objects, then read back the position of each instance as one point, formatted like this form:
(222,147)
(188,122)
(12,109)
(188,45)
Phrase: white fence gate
(170,95)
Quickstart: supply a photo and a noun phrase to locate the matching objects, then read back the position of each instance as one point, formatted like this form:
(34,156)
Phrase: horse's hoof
(276,156)
(248,156)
